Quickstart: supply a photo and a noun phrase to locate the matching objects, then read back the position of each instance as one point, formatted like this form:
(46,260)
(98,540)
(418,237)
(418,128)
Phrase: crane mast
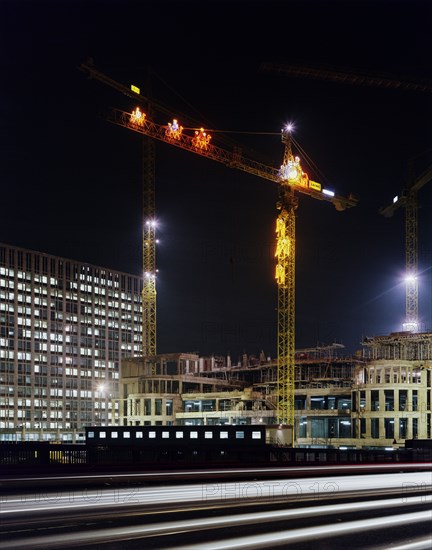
(148,214)
(409,201)
(149,250)
(411,262)
(291,178)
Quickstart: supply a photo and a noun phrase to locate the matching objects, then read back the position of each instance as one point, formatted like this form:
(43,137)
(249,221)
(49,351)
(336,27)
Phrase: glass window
(375,400)
(179,435)
(240,435)
(139,435)
(114,435)
(317,403)
(302,426)
(158,406)
(362,427)
(300,402)
(224,435)
(415,428)
(403,424)
(344,428)
(389,400)
(194,435)
(126,435)
(414,400)
(344,403)
(168,407)
(152,435)
(403,398)
(375,428)
(90,435)
(208,435)
(389,428)
(147,407)
(256,435)
(102,435)
(331,403)
(165,435)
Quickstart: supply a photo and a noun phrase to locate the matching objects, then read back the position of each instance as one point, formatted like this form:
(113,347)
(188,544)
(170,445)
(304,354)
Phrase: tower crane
(148,213)
(408,200)
(291,180)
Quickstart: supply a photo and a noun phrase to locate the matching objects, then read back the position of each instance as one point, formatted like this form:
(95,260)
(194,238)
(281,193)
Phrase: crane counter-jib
(199,143)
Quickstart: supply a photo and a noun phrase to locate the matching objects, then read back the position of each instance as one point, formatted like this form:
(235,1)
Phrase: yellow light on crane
(292,173)
(137,117)
(135,89)
(174,130)
(283,250)
(201,139)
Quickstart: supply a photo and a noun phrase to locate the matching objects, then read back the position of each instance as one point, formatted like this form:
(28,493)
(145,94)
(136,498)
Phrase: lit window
(126,435)
(224,435)
(152,435)
(208,435)
(165,435)
(139,435)
(256,435)
(179,435)
(194,435)
(239,435)
(90,435)
(114,435)
(102,435)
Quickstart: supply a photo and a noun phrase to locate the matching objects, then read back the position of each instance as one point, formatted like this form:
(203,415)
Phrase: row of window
(239,434)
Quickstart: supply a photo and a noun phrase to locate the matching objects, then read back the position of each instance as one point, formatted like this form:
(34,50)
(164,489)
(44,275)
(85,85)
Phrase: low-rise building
(378,398)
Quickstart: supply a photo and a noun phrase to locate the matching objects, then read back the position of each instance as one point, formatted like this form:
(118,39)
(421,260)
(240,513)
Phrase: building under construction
(379,398)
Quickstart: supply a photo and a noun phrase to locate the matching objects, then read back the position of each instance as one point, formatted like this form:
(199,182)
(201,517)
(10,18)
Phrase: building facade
(64,327)
(393,391)
(377,399)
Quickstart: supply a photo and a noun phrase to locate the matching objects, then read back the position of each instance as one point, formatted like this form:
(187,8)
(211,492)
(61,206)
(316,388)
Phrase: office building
(64,327)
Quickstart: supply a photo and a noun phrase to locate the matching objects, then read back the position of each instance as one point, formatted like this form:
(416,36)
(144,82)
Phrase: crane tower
(148,214)
(409,201)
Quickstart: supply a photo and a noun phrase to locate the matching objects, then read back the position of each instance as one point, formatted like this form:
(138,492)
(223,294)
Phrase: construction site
(316,397)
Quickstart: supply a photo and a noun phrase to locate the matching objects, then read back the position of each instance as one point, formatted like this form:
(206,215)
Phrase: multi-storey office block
(64,327)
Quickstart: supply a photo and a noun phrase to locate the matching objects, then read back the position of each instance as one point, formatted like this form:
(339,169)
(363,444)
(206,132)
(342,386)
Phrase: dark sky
(71,182)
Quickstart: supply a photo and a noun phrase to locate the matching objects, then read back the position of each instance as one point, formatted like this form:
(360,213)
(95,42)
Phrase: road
(385,510)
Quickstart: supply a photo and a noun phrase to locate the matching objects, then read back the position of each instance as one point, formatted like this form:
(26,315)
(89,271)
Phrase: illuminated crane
(409,201)
(291,179)
(148,215)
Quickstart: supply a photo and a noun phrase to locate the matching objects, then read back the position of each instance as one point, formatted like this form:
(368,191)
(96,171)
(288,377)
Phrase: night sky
(71,182)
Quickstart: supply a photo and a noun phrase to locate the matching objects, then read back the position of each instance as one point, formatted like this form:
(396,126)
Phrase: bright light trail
(285,489)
